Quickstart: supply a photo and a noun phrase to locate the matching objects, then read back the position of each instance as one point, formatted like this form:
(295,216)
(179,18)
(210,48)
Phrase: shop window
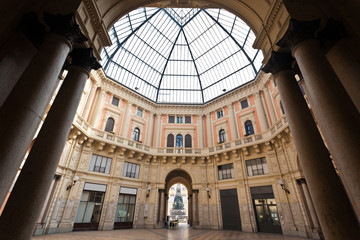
(131,170)
(179,119)
(256,166)
(139,112)
(220,113)
(249,130)
(109,124)
(222,136)
(115,101)
(100,164)
(90,206)
(136,135)
(187,119)
(179,140)
(244,104)
(188,143)
(226,171)
(125,208)
(171,119)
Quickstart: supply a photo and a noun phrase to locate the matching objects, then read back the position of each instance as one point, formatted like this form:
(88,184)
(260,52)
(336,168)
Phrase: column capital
(297,32)
(84,57)
(66,26)
(278,62)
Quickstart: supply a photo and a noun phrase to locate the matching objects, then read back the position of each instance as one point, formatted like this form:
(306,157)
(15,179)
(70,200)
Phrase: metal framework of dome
(181,56)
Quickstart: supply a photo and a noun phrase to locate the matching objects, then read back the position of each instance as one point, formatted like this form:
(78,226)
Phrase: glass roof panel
(181,56)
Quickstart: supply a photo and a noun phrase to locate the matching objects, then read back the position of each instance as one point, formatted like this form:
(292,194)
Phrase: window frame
(139,112)
(242,103)
(109,126)
(136,134)
(100,164)
(249,128)
(226,171)
(117,100)
(220,113)
(222,136)
(258,166)
(131,170)
(171,119)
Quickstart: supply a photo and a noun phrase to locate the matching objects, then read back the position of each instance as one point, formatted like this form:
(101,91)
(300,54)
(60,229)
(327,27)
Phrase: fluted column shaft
(324,184)
(35,178)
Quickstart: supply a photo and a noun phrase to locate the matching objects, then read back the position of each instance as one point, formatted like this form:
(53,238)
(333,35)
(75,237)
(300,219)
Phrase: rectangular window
(187,119)
(131,170)
(100,164)
(220,114)
(179,119)
(139,112)
(115,101)
(171,119)
(90,206)
(256,166)
(226,171)
(244,104)
(125,208)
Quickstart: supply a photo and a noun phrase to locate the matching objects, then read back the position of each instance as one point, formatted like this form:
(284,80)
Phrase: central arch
(183,177)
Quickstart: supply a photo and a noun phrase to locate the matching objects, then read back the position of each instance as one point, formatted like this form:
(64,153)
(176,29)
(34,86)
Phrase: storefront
(124,215)
(267,217)
(90,206)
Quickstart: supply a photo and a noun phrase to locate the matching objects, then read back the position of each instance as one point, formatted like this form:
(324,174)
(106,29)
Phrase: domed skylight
(181,56)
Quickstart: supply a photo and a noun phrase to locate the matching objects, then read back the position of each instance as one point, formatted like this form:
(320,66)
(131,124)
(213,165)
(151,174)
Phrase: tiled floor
(183,232)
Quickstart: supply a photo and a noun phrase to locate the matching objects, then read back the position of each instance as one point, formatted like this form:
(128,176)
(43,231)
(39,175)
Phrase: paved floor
(183,232)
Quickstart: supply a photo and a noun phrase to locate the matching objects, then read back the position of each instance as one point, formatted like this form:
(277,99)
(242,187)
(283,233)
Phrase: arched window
(188,143)
(170,140)
(221,136)
(179,140)
(109,124)
(136,135)
(249,128)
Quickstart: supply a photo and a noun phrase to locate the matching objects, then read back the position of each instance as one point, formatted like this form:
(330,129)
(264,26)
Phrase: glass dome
(181,56)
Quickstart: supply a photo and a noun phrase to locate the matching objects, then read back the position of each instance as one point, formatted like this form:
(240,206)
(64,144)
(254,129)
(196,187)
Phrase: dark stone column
(23,110)
(18,51)
(334,41)
(324,184)
(28,196)
(335,113)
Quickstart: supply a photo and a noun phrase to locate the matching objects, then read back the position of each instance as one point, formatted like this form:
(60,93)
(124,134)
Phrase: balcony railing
(110,138)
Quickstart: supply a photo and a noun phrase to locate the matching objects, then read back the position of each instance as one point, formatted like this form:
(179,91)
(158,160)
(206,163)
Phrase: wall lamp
(282,184)
(148,191)
(75,179)
(208,191)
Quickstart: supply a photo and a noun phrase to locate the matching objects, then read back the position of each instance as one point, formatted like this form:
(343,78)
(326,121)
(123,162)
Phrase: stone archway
(181,176)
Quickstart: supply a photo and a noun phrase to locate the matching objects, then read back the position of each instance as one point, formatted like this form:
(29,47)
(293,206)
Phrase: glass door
(267,217)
